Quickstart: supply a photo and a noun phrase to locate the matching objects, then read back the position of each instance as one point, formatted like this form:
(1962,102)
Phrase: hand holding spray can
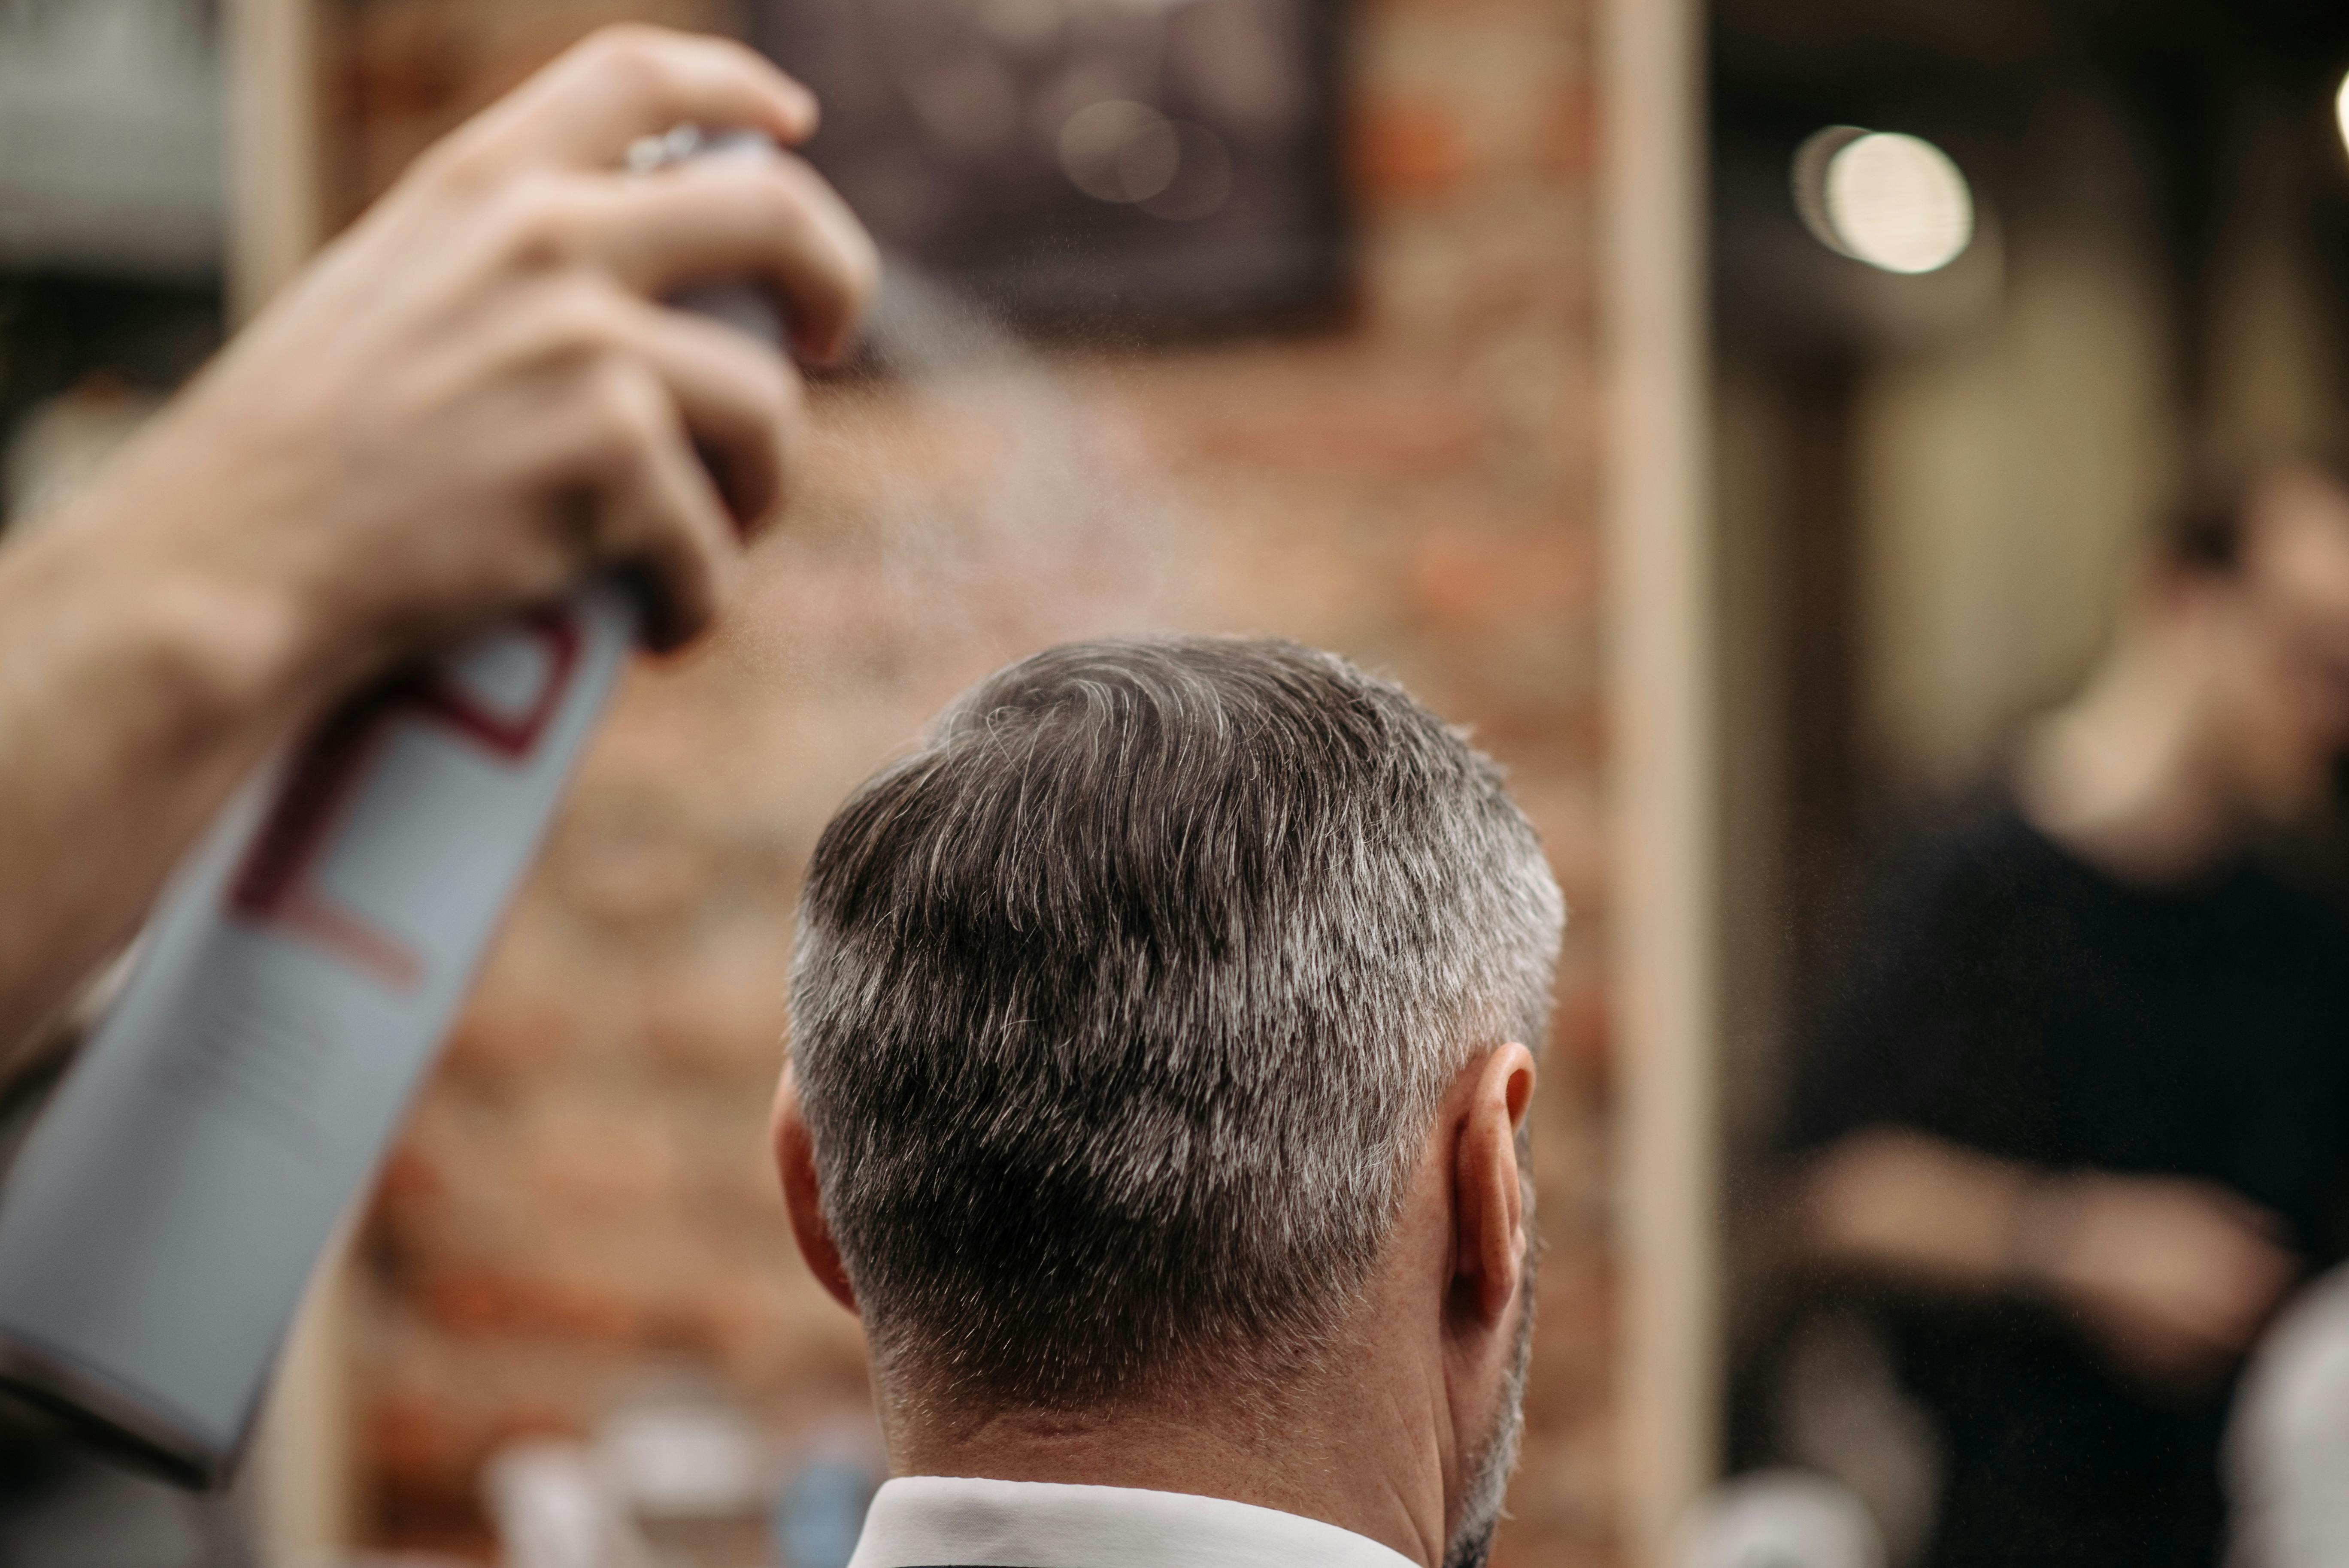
(160,1227)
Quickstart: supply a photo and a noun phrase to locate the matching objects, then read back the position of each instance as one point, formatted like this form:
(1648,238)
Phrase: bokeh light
(1120,151)
(1893,201)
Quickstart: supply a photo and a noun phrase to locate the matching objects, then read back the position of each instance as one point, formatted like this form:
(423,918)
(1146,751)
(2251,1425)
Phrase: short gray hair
(1122,1008)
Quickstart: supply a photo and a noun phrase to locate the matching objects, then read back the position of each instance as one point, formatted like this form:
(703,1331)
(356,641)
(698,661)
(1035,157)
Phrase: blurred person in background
(2080,1100)
(1162,1046)
(470,402)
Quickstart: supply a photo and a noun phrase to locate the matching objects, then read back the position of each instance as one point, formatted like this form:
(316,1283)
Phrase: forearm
(136,689)
(1915,1208)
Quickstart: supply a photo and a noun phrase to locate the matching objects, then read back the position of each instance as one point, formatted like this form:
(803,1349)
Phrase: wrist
(207,613)
(245,651)
(2042,1227)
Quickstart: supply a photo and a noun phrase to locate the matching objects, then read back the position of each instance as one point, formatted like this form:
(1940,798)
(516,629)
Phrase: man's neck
(1314,1457)
(2119,774)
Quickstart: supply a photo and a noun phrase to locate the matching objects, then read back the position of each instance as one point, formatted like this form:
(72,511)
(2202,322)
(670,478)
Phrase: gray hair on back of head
(1122,1008)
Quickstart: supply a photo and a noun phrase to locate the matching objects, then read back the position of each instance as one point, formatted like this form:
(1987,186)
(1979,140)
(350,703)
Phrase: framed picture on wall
(1134,162)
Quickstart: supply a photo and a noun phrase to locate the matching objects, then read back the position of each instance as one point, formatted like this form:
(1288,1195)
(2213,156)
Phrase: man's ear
(795,1159)
(1489,1186)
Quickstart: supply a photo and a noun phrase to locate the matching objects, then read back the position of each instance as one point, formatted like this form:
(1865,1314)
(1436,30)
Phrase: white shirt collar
(934,1521)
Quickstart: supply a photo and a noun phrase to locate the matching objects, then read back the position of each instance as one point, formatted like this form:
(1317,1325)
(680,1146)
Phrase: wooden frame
(1663,669)
(300,1472)
(274,145)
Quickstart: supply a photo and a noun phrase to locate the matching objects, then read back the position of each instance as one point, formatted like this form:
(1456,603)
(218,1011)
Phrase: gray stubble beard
(1496,1461)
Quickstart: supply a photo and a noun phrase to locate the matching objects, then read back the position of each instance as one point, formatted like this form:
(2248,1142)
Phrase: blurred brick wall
(585,1186)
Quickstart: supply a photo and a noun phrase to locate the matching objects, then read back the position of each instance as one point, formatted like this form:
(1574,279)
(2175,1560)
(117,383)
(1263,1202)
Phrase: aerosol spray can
(160,1227)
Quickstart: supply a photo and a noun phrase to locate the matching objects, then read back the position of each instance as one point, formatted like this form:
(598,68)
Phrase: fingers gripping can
(162,1222)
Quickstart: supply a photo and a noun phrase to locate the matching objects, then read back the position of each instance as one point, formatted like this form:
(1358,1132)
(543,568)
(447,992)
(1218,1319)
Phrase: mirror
(2034,563)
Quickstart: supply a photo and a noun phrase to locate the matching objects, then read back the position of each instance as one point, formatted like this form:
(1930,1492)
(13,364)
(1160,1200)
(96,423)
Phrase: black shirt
(2008,996)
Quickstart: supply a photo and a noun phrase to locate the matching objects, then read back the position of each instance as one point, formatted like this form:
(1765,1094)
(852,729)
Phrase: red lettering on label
(278,883)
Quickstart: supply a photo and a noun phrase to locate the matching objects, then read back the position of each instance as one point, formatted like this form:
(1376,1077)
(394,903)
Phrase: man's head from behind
(1159,1039)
